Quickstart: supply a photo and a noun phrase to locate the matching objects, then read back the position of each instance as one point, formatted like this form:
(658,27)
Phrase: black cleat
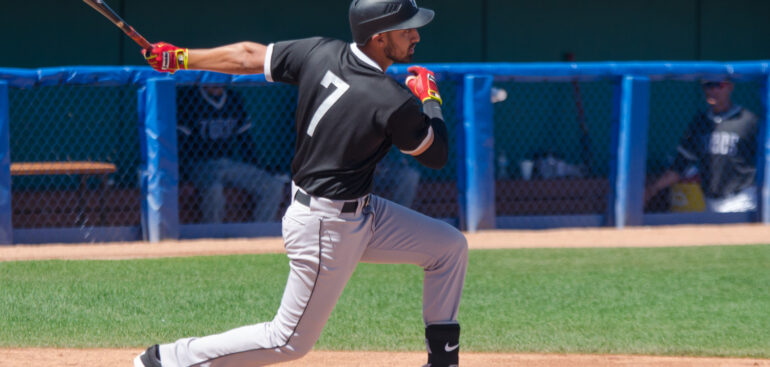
(150,358)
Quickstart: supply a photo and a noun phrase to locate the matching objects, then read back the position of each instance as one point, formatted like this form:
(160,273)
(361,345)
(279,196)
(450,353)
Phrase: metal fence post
(6,227)
(476,185)
(162,167)
(764,157)
(629,148)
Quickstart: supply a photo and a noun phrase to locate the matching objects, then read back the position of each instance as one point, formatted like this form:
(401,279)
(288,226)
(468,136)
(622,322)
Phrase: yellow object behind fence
(687,197)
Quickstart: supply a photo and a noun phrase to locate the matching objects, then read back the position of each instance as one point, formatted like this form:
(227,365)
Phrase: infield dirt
(561,238)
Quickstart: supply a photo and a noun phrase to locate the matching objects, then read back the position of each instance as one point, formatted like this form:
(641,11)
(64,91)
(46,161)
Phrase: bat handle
(145,44)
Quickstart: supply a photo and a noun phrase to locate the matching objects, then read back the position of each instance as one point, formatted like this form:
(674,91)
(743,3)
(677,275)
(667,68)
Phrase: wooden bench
(80,198)
(83,168)
(239,205)
(519,197)
(121,206)
(561,196)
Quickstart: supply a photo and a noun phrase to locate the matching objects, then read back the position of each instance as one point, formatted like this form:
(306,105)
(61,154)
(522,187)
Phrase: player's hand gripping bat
(110,14)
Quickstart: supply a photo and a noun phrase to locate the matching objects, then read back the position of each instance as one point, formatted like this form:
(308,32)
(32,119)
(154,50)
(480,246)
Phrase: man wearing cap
(722,143)
(349,114)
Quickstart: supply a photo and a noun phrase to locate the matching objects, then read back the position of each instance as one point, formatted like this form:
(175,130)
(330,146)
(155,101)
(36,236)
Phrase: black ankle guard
(443,342)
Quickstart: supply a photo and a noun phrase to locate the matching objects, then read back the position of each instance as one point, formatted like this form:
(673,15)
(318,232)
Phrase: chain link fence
(673,106)
(235,146)
(235,149)
(76,152)
(552,144)
(436,193)
(75,157)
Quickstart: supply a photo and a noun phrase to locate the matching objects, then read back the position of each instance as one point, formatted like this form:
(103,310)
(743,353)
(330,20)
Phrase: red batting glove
(165,57)
(423,84)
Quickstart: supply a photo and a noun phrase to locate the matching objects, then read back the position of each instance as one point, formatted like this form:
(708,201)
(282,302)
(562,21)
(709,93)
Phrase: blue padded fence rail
(475,145)
(138,75)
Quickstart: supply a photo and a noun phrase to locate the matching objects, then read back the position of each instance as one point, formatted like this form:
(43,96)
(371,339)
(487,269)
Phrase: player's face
(718,94)
(400,44)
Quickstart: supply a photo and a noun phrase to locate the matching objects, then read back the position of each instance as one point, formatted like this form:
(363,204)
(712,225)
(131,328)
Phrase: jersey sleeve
(687,150)
(409,128)
(420,135)
(283,60)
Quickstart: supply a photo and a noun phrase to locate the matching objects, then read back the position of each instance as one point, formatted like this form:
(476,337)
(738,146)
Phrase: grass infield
(704,301)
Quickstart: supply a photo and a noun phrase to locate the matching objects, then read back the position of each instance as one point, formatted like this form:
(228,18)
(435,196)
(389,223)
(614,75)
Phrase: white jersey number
(341,88)
(724,143)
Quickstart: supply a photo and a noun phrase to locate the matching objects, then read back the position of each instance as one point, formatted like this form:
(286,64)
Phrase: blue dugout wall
(475,121)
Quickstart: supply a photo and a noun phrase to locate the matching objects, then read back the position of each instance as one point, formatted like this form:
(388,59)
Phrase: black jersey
(349,114)
(724,147)
(211,127)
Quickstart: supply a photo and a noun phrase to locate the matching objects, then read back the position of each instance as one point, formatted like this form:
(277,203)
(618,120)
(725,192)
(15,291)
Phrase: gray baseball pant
(324,246)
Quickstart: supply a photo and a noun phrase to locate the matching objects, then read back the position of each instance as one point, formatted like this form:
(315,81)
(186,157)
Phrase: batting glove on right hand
(165,57)
(423,84)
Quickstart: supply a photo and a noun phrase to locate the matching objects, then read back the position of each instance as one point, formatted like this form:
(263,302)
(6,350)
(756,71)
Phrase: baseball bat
(585,138)
(104,9)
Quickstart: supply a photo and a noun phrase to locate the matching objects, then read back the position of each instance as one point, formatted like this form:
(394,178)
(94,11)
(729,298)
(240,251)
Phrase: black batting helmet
(369,17)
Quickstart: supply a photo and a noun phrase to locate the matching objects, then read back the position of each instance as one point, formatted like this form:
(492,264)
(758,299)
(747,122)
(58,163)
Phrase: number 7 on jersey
(341,87)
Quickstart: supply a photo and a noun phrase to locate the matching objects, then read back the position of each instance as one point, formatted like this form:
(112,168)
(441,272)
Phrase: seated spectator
(722,143)
(216,150)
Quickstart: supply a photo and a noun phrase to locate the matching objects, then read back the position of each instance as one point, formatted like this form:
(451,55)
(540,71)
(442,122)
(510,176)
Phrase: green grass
(708,301)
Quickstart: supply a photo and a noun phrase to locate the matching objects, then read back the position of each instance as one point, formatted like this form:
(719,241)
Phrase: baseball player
(212,126)
(722,143)
(349,113)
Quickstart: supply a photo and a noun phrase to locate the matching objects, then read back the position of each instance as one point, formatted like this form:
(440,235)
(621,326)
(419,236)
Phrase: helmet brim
(419,19)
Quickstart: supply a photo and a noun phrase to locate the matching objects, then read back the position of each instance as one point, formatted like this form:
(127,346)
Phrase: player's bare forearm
(236,58)
(667,179)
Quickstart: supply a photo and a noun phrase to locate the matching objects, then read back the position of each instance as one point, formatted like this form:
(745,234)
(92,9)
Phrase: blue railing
(475,164)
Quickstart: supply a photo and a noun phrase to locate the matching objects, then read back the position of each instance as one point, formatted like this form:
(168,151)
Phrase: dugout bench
(32,208)
(559,196)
